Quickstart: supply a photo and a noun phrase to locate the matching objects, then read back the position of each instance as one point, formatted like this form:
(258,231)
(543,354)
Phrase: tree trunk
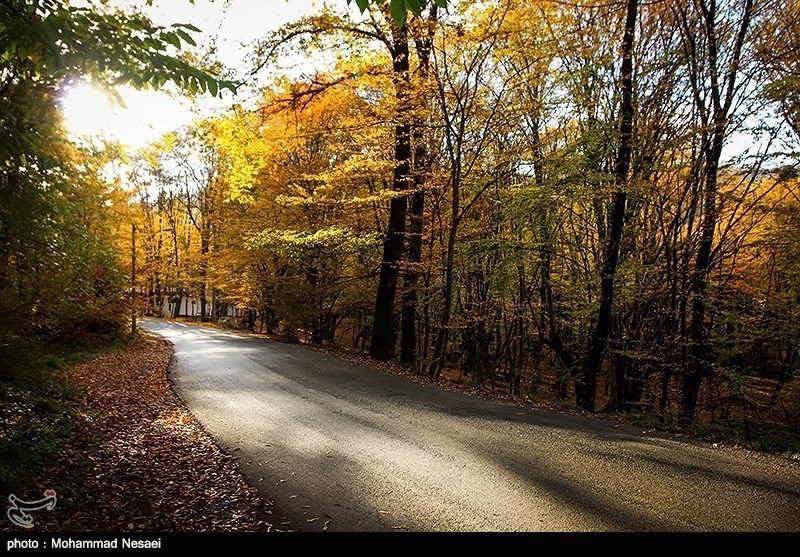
(408,328)
(722,96)
(436,364)
(422,163)
(203,274)
(177,311)
(598,342)
(206,204)
(699,350)
(408,321)
(159,257)
(383,324)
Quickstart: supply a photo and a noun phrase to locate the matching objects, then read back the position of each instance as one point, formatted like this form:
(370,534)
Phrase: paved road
(356,449)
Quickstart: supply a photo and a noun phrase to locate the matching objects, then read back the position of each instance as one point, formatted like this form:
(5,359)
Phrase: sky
(230,25)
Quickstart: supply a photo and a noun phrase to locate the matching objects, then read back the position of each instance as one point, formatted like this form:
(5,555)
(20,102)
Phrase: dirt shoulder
(138,460)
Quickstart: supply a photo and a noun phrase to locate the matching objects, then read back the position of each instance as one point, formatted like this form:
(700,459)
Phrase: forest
(589,202)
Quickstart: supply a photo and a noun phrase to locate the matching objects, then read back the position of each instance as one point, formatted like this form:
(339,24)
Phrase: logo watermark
(19,509)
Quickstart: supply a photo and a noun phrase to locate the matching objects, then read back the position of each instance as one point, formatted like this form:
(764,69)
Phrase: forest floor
(773,440)
(130,457)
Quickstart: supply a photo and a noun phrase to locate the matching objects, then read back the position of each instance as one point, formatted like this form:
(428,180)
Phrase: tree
(383,320)
(472,105)
(423,34)
(52,200)
(779,51)
(585,389)
(378,28)
(714,43)
(399,8)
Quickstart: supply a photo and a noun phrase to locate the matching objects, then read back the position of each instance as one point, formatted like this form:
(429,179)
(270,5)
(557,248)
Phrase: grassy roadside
(37,410)
(766,438)
(107,432)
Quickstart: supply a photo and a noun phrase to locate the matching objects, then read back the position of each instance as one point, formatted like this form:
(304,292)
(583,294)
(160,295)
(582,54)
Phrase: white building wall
(190,307)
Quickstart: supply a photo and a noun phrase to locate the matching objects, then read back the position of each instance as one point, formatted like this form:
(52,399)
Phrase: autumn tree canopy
(589,201)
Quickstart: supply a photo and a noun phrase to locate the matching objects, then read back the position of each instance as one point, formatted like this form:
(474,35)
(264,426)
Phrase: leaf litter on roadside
(139,460)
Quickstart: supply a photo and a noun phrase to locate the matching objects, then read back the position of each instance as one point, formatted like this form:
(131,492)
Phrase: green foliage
(60,274)
(760,436)
(52,40)
(25,445)
(47,44)
(785,91)
(313,281)
(399,8)
(332,243)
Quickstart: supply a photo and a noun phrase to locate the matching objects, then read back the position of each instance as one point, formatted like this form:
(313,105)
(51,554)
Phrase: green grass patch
(38,405)
(769,438)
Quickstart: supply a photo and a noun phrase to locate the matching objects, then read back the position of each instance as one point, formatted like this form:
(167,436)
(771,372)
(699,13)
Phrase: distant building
(190,306)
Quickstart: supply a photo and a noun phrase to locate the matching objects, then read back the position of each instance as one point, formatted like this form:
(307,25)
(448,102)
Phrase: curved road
(344,447)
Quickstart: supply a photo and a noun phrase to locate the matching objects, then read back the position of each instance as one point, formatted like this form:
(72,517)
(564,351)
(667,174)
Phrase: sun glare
(87,110)
(145,116)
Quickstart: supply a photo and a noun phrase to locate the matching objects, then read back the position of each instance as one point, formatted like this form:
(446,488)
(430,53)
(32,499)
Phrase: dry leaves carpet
(139,461)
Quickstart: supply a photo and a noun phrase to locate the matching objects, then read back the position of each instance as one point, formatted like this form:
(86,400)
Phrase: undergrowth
(36,414)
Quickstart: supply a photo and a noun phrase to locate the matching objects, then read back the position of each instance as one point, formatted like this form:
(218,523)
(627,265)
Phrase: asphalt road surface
(344,447)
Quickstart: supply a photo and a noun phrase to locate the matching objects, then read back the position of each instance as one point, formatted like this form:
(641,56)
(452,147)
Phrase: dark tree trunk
(177,311)
(206,204)
(586,386)
(422,163)
(699,351)
(317,322)
(157,267)
(722,96)
(203,274)
(442,336)
(408,326)
(549,333)
(382,328)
